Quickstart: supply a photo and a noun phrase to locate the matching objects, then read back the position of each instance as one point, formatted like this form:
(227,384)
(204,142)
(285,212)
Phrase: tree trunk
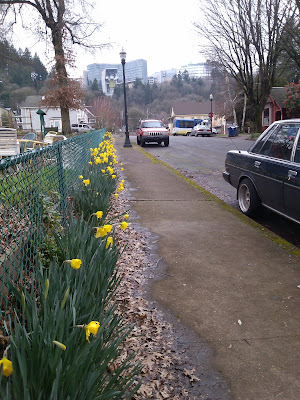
(258,119)
(62,75)
(244,113)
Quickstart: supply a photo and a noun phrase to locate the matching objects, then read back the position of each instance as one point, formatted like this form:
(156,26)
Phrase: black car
(268,174)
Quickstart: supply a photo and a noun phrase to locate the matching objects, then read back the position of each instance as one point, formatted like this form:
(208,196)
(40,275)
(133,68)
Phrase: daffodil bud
(65,298)
(60,345)
(46,289)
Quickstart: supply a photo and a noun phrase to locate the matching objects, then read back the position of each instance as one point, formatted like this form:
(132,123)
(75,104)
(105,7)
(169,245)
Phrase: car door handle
(257,164)
(291,174)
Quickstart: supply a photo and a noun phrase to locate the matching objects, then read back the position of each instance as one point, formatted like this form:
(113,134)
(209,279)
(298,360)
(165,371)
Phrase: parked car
(81,128)
(203,129)
(152,130)
(268,174)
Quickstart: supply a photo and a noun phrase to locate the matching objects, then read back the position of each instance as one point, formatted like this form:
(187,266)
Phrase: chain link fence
(35,191)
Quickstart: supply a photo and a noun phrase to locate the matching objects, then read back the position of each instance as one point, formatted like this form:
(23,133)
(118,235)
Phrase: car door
(265,165)
(292,185)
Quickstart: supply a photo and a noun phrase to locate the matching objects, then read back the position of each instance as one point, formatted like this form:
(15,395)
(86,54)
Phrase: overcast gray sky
(160,31)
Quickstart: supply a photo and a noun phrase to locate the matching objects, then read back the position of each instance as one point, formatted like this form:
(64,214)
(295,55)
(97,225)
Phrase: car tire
(249,201)
(138,140)
(166,142)
(143,143)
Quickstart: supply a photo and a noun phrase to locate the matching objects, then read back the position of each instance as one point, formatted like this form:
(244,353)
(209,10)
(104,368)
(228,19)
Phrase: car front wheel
(138,140)
(166,142)
(249,201)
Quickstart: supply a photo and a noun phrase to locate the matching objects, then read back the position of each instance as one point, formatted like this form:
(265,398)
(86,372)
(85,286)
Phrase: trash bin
(232,130)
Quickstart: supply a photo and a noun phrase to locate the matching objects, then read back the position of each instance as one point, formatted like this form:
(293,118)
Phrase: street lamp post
(211,114)
(127,140)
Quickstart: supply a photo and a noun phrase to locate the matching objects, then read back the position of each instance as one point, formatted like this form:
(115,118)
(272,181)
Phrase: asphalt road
(201,159)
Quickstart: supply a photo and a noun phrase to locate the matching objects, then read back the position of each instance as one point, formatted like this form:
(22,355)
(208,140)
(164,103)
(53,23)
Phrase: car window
(75,125)
(257,148)
(152,124)
(297,153)
(281,141)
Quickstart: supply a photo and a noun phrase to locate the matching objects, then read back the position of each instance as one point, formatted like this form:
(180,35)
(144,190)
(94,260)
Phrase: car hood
(161,130)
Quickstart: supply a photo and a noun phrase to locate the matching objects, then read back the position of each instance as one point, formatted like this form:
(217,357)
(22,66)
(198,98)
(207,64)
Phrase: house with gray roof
(274,109)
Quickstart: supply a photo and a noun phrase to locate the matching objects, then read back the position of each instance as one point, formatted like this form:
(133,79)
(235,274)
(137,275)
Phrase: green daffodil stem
(65,298)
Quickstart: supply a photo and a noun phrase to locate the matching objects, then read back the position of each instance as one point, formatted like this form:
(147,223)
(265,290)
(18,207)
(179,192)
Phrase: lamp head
(123,56)
(211,97)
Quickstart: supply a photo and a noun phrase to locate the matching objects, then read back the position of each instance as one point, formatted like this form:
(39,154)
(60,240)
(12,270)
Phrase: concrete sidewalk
(230,284)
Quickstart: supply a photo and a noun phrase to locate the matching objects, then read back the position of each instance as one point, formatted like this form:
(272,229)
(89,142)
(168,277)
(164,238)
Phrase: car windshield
(152,124)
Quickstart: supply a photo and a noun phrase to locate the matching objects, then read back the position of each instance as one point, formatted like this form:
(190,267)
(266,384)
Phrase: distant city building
(136,69)
(200,70)
(109,80)
(152,79)
(162,76)
(85,80)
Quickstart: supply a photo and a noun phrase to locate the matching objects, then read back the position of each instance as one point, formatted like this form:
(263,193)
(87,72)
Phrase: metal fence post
(61,182)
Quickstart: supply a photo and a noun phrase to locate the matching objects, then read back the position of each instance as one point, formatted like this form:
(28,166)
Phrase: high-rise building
(199,70)
(162,76)
(136,69)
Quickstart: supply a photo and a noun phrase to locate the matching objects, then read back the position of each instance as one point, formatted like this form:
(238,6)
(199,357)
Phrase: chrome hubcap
(244,198)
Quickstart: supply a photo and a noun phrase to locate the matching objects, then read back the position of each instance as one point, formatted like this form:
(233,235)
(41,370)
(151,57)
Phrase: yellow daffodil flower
(60,345)
(86,182)
(114,176)
(98,160)
(101,232)
(80,177)
(122,169)
(75,263)
(124,225)
(107,228)
(90,162)
(91,328)
(109,242)
(116,195)
(7,367)
(126,216)
(99,214)
(103,171)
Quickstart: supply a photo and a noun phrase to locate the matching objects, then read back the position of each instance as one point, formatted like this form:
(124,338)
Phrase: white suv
(81,128)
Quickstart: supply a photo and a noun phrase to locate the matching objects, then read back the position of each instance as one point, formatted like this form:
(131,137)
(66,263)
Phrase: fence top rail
(19,158)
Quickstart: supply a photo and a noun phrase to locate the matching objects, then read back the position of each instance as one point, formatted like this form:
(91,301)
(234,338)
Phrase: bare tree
(291,37)
(106,112)
(68,22)
(245,36)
